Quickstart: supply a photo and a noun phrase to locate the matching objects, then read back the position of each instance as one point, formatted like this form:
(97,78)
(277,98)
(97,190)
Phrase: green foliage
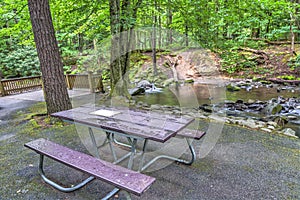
(20,62)
(287,77)
(222,25)
(294,63)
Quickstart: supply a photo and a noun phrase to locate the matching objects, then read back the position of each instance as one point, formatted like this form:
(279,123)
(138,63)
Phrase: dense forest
(224,26)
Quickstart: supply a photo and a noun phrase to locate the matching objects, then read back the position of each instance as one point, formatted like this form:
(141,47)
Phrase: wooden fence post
(2,91)
(100,86)
(91,84)
(68,81)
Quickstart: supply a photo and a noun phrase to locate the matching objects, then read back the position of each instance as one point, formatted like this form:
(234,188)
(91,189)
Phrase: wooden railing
(19,85)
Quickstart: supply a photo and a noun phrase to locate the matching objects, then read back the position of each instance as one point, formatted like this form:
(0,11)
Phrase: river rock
(155,107)
(206,108)
(251,101)
(136,91)
(232,88)
(266,130)
(272,108)
(249,123)
(271,127)
(289,132)
(144,84)
(271,123)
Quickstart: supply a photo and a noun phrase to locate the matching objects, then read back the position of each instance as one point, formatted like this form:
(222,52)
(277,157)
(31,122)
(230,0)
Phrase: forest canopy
(213,24)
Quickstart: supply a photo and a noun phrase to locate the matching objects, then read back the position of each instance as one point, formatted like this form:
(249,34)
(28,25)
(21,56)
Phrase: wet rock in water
(232,88)
(240,107)
(136,91)
(296,112)
(272,108)
(206,108)
(144,84)
(239,101)
(256,107)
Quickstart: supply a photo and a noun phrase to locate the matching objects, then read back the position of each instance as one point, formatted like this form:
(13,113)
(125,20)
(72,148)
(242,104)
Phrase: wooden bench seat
(120,177)
(189,133)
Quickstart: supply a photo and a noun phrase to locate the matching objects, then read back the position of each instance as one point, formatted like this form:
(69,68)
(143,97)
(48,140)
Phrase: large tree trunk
(54,84)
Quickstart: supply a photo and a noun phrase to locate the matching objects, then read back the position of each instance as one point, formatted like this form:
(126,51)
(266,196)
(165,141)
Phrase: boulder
(232,88)
(272,108)
(144,84)
(136,91)
(289,132)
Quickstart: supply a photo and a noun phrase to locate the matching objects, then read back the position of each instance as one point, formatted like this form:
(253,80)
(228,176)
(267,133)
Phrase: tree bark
(154,40)
(292,34)
(54,83)
(169,24)
(121,43)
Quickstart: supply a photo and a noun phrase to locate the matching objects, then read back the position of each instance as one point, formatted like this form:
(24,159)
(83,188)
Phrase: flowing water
(207,94)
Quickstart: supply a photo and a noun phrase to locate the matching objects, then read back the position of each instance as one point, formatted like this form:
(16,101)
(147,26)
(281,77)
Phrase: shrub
(19,62)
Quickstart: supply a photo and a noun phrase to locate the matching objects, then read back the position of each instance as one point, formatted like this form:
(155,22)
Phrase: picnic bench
(133,124)
(120,177)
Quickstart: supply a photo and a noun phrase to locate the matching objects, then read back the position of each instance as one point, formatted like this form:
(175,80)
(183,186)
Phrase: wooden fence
(90,81)
(19,85)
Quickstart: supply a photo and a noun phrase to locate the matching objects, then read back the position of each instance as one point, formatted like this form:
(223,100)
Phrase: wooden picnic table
(133,124)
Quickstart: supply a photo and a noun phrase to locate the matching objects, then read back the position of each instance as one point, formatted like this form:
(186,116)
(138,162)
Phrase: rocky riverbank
(277,115)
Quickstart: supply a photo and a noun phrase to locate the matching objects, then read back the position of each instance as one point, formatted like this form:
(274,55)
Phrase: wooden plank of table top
(110,124)
(155,126)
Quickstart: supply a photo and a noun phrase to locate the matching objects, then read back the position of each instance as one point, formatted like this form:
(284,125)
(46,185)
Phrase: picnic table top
(140,123)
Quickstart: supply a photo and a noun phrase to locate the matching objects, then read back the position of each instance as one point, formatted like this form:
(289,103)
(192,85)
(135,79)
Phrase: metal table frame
(132,140)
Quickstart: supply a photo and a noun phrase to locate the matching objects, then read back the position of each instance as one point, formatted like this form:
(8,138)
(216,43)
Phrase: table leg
(108,136)
(143,155)
(133,150)
(94,142)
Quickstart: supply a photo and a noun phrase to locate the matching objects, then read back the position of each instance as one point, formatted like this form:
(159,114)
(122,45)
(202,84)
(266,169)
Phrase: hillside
(197,64)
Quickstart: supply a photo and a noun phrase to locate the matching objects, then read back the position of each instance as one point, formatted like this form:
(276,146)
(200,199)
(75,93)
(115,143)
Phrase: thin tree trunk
(154,40)
(54,83)
(121,43)
(292,33)
(169,23)
(186,34)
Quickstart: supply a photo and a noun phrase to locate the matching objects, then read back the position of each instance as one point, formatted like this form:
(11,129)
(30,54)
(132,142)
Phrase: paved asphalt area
(243,164)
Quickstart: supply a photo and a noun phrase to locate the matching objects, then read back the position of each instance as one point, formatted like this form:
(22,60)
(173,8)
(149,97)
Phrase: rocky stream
(270,107)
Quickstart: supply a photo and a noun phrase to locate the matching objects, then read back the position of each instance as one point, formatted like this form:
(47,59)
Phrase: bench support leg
(57,186)
(186,162)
